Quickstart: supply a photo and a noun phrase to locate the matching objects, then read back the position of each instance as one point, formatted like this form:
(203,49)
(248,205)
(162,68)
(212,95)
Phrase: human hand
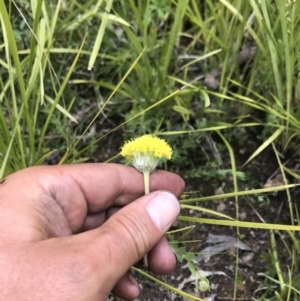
(64,237)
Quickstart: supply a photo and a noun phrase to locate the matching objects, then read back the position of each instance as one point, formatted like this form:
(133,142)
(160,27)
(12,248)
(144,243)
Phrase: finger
(118,185)
(79,189)
(127,287)
(93,221)
(161,258)
(102,185)
(128,235)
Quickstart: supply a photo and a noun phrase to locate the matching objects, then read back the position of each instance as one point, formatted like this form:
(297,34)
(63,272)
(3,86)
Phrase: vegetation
(218,79)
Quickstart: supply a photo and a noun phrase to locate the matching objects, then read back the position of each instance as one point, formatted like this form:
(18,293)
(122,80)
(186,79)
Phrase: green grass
(74,72)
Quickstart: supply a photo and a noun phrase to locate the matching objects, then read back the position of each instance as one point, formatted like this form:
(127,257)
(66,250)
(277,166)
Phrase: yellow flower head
(146,151)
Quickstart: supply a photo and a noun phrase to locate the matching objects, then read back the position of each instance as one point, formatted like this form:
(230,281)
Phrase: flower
(146,151)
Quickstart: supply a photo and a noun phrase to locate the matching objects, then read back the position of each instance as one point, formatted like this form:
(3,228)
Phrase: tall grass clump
(45,46)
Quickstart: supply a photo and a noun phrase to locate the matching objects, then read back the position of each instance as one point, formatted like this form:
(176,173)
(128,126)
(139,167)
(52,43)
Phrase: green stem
(146,175)
(146,181)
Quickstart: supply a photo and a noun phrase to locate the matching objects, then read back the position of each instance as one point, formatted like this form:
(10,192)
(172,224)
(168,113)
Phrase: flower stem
(147,190)
(146,181)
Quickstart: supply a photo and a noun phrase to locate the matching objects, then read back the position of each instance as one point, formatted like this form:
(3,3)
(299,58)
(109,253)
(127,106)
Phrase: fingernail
(163,209)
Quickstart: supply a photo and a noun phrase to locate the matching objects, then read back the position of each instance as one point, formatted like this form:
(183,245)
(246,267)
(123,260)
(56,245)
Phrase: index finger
(106,185)
(71,192)
(99,185)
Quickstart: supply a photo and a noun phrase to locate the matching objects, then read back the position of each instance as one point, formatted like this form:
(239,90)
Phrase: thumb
(130,233)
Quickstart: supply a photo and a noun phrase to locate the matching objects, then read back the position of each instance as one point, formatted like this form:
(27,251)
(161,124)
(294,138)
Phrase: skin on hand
(72,232)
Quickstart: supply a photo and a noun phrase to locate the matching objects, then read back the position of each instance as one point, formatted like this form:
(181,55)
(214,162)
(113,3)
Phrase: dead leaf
(220,243)
(276,181)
